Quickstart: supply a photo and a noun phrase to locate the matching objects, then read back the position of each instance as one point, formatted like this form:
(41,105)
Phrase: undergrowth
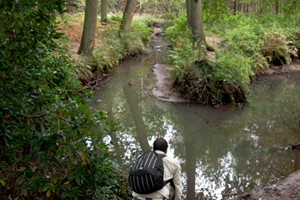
(249,45)
(110,49)
(45,121)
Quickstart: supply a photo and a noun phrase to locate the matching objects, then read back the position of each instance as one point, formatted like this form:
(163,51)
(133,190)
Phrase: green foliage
(213,10)
(178,33)
(181,59)
(114,49)
(220,82)
(276,48)
(45,122)
(233,68)
(250,44)
(151,21)
(173,9)
(266,39)
(141,30)
(260,63)
(242,34)
(168,10)
(108,55)
(116,18)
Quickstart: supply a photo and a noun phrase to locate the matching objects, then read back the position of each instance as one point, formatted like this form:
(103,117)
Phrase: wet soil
(287,189)
(164,89)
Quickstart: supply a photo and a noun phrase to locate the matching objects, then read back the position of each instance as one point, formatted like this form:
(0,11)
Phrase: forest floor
(287,189)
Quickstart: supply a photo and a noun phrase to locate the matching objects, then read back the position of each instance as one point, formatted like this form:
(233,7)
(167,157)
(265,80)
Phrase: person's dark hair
(160,144)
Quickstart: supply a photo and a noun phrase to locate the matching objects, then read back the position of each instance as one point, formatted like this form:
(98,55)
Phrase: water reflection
(223,152)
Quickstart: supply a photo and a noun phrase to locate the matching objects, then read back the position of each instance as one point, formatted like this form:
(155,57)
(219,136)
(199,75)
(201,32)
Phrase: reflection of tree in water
(202,148)
(261,132)
(230,161)
(223,152)
(137,120)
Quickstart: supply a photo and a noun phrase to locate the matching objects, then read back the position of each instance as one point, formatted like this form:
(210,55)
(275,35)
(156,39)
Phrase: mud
(287,189)
(164,89)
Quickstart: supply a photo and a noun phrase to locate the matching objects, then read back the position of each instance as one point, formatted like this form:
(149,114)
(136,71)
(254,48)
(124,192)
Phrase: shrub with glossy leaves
(45,122)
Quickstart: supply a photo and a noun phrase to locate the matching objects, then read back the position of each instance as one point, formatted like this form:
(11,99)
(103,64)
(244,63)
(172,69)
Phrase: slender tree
(189,12)
(104,7)
(235,7)
(127,16)
(277,7)
(89,29)
(196,23)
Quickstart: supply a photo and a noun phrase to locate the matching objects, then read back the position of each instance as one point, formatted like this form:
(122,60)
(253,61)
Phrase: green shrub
(178,33)
(114,49)
(116,18)
(260,64)
(233,68)
(242,35)
(250,44)
(276,48)
(141,30)
(151,21)
(108,56)
(45,122)
(263,38)
(181,60)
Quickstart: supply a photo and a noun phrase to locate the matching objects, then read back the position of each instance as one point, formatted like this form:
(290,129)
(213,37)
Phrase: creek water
(223,151)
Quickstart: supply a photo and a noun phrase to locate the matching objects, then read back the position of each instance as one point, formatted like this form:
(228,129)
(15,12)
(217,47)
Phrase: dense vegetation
(45,122)
(109,50)
(243,47)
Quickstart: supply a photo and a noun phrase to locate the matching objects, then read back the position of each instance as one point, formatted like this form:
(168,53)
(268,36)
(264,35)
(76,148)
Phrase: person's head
(160,144)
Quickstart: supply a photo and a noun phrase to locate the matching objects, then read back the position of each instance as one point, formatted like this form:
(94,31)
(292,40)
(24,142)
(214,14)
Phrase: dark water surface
(223,152)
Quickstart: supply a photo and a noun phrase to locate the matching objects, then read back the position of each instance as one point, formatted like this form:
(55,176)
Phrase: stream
(224,152)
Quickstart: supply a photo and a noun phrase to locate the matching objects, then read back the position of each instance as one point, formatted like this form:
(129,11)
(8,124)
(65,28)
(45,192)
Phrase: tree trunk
(235,8)
(104,6)
(277,7)
(189,12)
(127,16)
(89,29)
(197,24)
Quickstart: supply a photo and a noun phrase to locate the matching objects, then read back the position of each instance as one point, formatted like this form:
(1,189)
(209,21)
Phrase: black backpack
(147,173)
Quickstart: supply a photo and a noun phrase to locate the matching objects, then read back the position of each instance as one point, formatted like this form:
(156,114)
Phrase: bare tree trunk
(197,24)
(277,7)
(89,29)
(104,6)
(235,7)
(127,16)
(189,12)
